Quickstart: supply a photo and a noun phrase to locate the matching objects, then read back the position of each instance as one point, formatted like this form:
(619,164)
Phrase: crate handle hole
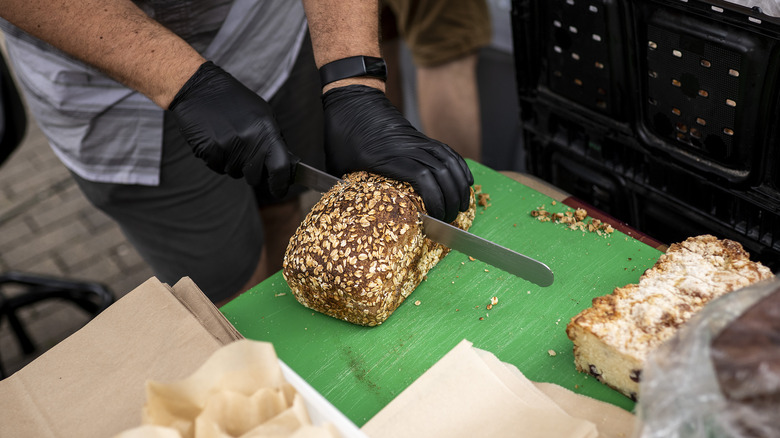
(599,65)
(575,56)
(652,45)
(704,93)
(652,74)
(578,81)
(717,9)
(596,37)
(676,83)
(700,121)
(728,131)
(681,127)
(593,9)
(676,111)
(706,64)
(677,53)
(733,72)
(557,23)
(754,20)
(731,103)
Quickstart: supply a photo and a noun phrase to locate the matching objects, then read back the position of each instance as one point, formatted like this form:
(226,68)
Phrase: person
(444,39)
(135,96)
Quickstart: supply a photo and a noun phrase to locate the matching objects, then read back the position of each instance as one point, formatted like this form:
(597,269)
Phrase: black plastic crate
(663,113)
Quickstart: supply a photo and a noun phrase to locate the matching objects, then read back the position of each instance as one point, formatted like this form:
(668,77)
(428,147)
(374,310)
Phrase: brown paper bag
(92,384)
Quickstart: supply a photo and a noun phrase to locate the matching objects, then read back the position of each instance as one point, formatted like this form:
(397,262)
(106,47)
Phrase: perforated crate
(664,113)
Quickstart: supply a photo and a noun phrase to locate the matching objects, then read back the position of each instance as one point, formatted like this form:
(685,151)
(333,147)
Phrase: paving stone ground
(47,227)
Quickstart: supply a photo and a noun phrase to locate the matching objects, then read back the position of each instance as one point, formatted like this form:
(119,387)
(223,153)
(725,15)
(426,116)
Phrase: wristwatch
(354,66)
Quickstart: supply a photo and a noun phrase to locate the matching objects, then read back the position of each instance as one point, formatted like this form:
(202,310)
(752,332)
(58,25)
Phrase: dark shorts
(198,223)
(437,31)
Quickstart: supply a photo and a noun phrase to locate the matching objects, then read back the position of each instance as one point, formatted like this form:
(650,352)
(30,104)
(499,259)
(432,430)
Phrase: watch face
(375,67)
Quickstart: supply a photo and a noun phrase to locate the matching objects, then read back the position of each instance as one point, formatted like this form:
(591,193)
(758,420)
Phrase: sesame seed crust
(360,252)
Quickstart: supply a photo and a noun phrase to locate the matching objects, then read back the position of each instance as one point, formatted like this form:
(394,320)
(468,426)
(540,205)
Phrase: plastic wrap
(681,394)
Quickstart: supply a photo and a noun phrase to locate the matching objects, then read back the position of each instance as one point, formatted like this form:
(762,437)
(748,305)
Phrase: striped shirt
(106,132)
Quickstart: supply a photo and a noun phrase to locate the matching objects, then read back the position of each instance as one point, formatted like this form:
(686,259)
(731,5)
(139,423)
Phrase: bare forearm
(115,37)
(343,28)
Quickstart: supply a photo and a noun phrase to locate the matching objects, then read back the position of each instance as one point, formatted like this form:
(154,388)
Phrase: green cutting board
(361,369)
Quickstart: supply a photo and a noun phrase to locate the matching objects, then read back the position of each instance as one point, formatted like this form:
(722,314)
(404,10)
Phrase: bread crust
(360,252)
(613,337)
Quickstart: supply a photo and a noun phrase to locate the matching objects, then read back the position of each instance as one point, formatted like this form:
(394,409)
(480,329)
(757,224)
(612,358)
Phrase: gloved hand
(233,129)
(364,131)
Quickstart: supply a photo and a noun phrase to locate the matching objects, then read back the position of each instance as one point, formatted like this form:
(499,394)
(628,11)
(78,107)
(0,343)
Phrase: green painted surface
(361,369)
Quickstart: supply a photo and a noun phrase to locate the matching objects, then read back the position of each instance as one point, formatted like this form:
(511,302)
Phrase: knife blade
(450,236)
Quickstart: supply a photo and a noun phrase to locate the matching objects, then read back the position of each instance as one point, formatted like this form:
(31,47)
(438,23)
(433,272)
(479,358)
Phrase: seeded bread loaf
(361,250)
(613,337)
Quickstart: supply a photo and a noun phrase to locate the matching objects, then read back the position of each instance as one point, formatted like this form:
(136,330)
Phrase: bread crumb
(552,353)
(417,303)
(494,300)
(483,199)
(574,220)
(471,258)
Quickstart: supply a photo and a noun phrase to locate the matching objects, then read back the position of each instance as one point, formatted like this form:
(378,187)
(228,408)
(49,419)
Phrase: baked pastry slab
(360,252)
(613,338)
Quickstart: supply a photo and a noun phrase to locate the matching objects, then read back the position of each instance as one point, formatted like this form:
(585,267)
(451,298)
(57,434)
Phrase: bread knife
(450,236)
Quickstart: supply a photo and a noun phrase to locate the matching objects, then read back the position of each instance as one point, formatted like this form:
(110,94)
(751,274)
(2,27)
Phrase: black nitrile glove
(364,131)
(233,129)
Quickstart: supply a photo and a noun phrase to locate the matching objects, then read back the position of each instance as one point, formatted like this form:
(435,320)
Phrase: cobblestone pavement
(47,227)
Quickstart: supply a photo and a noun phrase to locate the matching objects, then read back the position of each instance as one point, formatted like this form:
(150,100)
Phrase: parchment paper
(470,392)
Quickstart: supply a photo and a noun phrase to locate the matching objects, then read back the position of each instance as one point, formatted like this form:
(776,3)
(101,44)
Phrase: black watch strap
(353,66)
